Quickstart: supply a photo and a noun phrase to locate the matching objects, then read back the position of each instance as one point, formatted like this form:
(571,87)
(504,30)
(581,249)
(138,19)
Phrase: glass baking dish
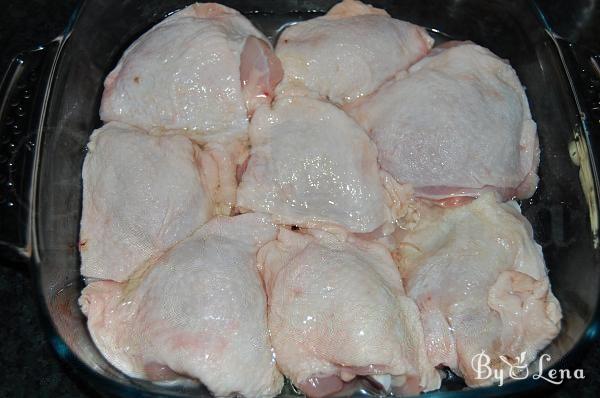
(50,100)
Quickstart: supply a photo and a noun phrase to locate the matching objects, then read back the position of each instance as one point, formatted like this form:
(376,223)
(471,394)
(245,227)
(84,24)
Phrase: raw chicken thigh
(202,69)
(384,161)
(197,312)
(310,164)
(480,283)
(349,52)
(141,195)
(337,309)
(457,124)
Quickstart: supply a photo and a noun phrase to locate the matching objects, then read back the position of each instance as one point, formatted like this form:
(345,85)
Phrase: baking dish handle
(23,98)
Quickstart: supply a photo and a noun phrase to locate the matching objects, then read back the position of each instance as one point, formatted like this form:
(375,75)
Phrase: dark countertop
(29,367)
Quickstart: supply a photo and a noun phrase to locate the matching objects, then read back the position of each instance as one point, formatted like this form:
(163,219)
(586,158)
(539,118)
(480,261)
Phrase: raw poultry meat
(141,195)
(310,164)
(337,309)
(202,69)
(457,124)
(371,132)
(348,52)
(481,284)
(197,312)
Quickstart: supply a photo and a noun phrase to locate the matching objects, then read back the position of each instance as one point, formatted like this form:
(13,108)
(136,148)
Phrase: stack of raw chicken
(331,210)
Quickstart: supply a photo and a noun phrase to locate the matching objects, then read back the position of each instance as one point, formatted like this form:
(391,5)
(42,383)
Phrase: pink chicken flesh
(337,310)
(371,132)
(197,312)
(202,69)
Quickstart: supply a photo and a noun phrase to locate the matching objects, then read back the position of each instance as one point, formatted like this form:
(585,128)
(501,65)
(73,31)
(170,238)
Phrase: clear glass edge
(112,386)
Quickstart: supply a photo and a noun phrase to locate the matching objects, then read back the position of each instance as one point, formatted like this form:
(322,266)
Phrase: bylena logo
(518,369)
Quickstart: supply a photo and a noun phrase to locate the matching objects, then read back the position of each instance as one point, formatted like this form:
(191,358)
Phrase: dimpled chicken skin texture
(312,165)
(202,70)
(349,52)
(371,131)
(141,195)
(337,309)
(481,285)
(458,123)
(197,312)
